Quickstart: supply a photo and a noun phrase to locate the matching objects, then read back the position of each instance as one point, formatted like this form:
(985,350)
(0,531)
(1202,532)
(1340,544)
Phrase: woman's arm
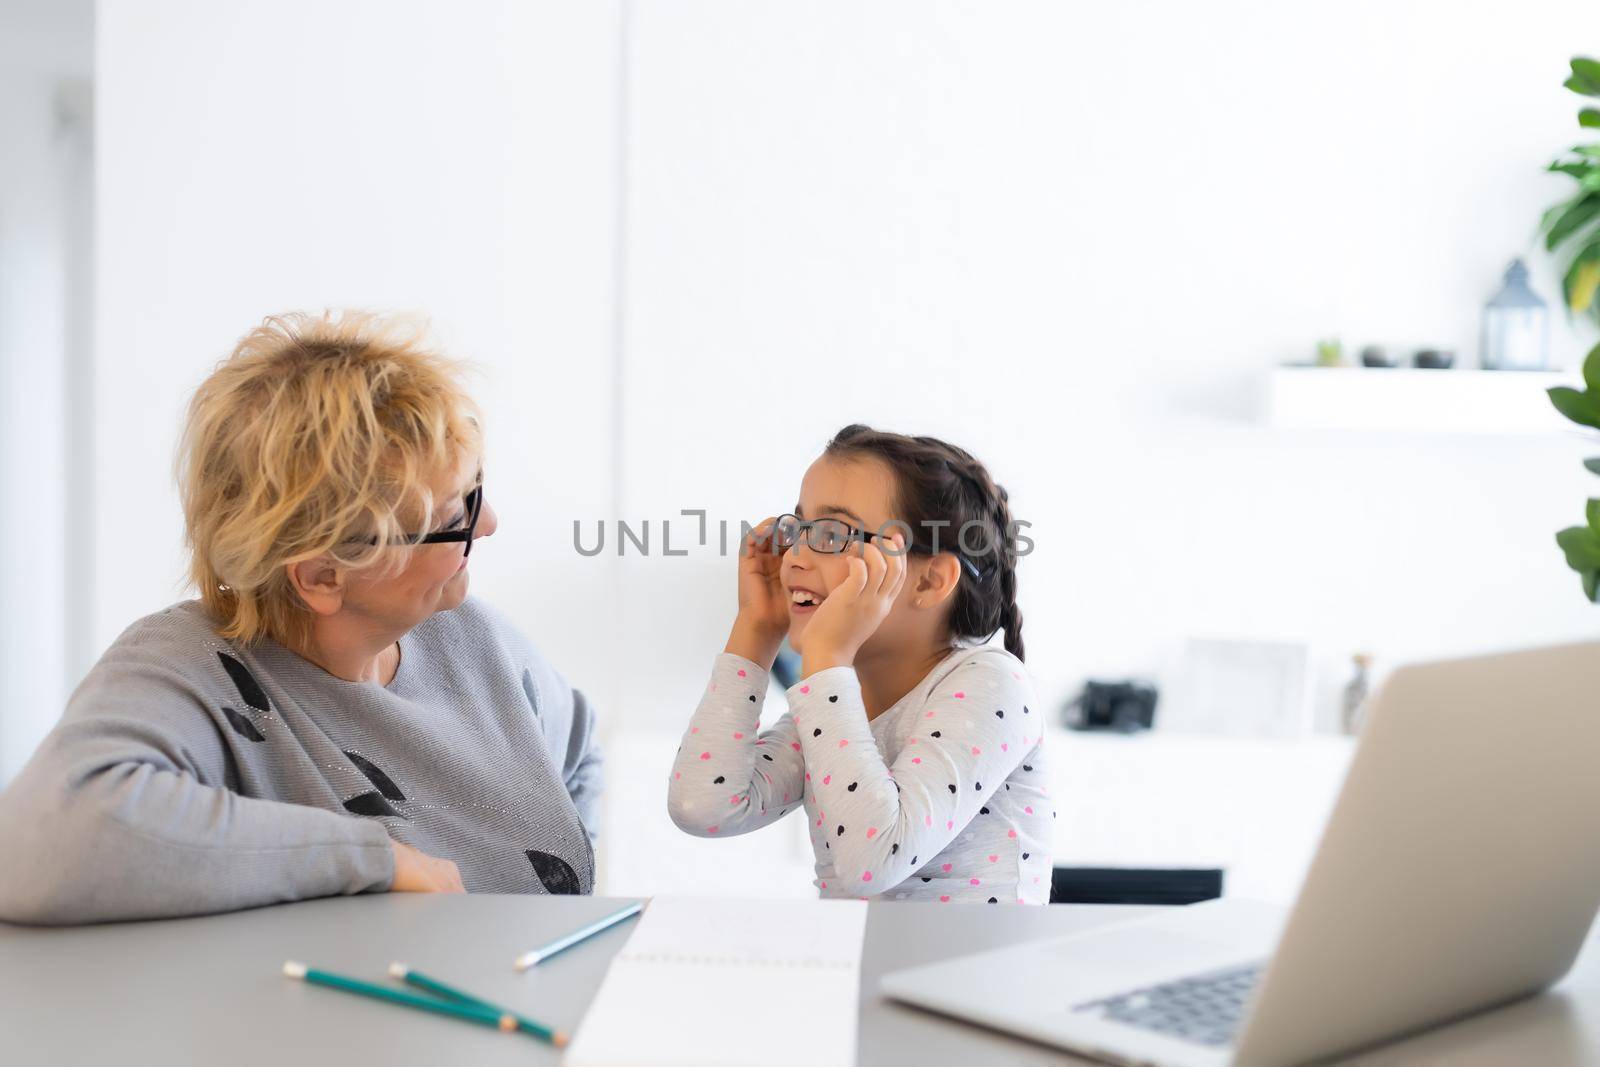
(122,814)
(568,721)
(727,778)
(975,728)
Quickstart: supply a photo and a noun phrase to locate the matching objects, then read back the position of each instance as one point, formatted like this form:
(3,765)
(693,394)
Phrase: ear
(937,582)
(320,583)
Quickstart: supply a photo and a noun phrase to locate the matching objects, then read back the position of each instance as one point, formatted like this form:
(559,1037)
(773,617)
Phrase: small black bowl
(1433,359)
(1377,356)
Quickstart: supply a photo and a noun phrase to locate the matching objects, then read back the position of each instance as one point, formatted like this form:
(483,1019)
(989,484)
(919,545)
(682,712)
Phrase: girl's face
(859,491)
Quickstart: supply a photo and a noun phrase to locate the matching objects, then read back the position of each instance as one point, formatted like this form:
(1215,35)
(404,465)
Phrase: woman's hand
(763,609)
(418,872)
(855,608)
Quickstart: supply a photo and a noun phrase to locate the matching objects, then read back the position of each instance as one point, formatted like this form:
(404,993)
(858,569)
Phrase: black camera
(1125,707)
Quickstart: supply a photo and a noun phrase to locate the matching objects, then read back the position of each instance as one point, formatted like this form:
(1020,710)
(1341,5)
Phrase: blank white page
(716,983)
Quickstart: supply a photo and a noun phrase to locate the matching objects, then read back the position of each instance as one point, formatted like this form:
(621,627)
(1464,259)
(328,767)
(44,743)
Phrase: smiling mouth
(804,600)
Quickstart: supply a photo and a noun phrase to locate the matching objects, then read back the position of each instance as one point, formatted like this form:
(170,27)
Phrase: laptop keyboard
(1205,1009)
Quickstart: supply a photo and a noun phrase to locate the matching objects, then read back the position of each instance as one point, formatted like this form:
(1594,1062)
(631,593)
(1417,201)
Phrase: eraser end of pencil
(559,1039)
(294,970)
(398,970)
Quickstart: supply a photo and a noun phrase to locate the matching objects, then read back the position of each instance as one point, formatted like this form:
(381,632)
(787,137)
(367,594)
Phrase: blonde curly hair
(318,436)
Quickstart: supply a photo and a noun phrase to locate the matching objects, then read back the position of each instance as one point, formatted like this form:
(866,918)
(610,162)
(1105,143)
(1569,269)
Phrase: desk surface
(209,990)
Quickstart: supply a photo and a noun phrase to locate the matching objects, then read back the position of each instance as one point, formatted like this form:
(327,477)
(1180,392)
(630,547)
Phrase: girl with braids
(914,749)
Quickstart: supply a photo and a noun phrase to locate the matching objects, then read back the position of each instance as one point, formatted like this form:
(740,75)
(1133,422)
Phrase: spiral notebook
(715,983)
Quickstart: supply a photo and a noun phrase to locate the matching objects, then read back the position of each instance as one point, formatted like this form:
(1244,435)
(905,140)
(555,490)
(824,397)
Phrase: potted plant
(1573,223)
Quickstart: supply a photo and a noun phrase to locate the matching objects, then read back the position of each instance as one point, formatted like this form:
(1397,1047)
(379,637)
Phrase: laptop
(1459,869)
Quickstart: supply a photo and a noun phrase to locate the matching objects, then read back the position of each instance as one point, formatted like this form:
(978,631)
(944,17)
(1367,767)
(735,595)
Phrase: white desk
(208,991)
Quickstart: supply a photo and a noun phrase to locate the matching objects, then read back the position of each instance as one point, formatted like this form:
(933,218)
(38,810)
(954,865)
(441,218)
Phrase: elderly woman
(333,714)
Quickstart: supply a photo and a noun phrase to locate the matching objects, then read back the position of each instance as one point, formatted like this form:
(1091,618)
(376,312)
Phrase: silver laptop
(1460,869)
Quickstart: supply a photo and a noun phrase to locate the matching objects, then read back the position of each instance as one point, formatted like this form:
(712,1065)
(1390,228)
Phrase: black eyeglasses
(833,536)
(473,502)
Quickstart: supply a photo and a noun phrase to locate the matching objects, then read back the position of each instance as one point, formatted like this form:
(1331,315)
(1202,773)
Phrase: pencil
(483,1016)
(433,985)
(561,944)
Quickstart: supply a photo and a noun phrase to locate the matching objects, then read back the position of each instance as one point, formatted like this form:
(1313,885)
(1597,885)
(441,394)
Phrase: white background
(687,241)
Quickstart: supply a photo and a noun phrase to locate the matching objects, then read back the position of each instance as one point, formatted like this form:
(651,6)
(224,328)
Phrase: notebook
(704,982)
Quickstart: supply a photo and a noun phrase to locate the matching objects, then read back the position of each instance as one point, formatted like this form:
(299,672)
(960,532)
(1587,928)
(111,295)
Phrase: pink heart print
(705,755)
(827,779)
(959,695)
(741,672)
(872,831)
(805,689)
(946,867)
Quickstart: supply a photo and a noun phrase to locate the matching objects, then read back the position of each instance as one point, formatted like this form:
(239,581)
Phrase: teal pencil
(433,985)
(561,944)
(470,1013)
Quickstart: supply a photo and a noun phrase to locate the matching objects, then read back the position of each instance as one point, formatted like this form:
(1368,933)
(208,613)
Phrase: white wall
(456,160)
(1073,238)
(45,61)
(1070,237)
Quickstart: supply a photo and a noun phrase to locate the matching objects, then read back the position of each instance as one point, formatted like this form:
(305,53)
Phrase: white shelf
(1410,400)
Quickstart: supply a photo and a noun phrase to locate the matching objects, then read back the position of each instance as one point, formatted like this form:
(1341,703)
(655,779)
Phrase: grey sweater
(192,775)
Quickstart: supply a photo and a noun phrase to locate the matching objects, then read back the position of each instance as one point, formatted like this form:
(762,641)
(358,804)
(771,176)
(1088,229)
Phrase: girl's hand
(763,608)
(855,608)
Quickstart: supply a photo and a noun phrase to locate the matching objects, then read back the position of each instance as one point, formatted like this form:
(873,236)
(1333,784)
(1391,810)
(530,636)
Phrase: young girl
(915,753)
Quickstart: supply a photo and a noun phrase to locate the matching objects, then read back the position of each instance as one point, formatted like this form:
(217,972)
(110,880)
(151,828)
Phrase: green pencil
(433,985)
(471,1013)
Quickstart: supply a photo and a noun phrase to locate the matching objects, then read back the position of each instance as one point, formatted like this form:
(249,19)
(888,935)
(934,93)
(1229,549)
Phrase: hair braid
(940,485)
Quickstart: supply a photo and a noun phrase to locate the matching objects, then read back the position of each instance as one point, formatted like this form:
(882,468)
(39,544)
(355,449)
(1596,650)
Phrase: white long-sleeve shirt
(942,797)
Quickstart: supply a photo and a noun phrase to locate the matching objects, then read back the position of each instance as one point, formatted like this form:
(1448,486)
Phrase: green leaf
(1589,118)
(1591,514)
(1572,220)
(1591,370)
(1582,279)
(1587,71)
(1591,584)
(1592,465)
(1551,214)
(1590,151)
(1578,85)
(1576,406)
(1575,170)
(1581,547)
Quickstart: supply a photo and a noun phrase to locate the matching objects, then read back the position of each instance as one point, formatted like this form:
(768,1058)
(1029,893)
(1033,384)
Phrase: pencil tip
(293,969)
(525,961)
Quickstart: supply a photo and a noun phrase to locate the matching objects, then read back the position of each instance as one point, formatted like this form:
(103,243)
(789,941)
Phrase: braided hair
(948,499)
